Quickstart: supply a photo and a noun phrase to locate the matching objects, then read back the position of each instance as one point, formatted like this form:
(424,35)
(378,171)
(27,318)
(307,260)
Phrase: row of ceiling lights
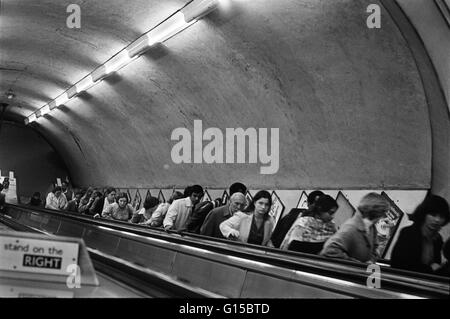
(177,22)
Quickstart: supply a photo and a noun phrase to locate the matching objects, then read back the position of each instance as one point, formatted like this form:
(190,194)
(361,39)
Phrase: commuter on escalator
(444,270)
(253,227)
(418,246)
(180,209)
(120,210)
(144,215)
(86,201)
(35,200)
(309,232)
(285,224)
(95,209)
(67,191)
(161,211)
(56,199)
(210,225)
(218,215)
(2,199)
(356,240)
(110,198)
(73,204)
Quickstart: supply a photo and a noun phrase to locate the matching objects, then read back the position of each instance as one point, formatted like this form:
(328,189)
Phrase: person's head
(89,192)
(433,213)
(373,207)
(324,208)
(187,191)
(237,202)
(96,194)
(151,203)
(122,200)
(111,194)
(176,195)
(261,203)
(64,186)
(313,196)
(78,196)
(36,195)
(57,191)
(196,194)
(238,188)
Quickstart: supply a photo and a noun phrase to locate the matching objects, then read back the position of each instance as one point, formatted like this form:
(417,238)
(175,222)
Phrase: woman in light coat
(255,226)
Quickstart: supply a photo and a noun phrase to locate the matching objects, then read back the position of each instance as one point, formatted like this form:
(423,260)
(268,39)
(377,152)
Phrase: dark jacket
(213,220)
(198,215)
(284,225)
(407,253)
(97,206)
(2,201)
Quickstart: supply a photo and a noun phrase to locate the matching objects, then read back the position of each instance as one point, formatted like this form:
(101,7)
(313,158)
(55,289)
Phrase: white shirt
(53,202)
(178,213)
(106,205)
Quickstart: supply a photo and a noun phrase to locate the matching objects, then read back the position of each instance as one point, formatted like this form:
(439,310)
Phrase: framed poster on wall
(387,227)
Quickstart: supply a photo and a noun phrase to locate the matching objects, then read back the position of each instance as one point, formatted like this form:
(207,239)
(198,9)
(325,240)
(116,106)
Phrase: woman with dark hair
(313,228)
(254,227)
(120,210)
(418,247)
(144,215)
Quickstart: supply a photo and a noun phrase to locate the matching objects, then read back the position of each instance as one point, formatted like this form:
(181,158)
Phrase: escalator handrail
(348,270)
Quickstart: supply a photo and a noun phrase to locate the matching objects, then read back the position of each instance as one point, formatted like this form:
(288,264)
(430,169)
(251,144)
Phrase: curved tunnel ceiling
(348,100)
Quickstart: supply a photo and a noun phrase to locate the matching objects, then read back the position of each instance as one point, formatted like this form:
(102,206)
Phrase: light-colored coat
(242,222)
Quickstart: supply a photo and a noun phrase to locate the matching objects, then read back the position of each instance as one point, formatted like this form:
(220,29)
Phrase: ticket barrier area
(230,269)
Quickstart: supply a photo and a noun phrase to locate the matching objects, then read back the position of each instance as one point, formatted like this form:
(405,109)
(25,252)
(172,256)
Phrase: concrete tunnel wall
(34,163)
(347,100)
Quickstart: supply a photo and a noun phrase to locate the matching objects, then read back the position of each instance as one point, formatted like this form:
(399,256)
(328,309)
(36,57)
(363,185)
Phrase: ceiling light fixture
(172,25)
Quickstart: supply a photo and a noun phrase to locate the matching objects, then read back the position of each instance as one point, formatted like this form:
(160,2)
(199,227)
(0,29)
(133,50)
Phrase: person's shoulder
(219,209)
(409,230)
(240,214)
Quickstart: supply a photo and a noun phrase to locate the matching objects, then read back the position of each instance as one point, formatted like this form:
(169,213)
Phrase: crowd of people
(311,230)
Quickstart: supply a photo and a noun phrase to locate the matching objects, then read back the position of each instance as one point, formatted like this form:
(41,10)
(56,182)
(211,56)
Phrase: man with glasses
(218,215)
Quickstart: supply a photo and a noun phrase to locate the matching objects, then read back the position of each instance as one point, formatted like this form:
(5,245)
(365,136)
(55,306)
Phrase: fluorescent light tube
(84,84)
(117,62)
(138,46)
(198,8)
(99,73)
(52,105)
(32,118)
(44,110)
(60,100)
(72,92)
(168,28)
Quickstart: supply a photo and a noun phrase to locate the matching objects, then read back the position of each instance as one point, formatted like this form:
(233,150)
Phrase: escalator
(117,279)
(229,269)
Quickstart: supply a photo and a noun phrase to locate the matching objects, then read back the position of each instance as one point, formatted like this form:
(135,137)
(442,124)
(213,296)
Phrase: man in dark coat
(218,215)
